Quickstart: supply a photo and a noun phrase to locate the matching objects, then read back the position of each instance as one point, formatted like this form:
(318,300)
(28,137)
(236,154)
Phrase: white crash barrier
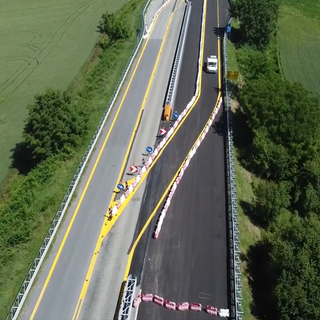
(195,307)
(224,313)
(184,167)
(158,300)
(147,297)
(183,306)
(212,310)
(170,305)
(137,301)
(156,151)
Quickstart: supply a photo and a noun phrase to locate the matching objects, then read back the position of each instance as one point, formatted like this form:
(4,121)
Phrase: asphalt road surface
(63,290)
(189,260)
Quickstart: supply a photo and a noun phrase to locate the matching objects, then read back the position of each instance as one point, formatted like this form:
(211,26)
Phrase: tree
(258,19)
(54,125)
(253,63)
(271,199)
(115,27)
(295,256)
(284,119)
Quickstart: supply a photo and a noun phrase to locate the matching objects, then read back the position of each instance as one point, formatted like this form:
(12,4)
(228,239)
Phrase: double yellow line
(146,225)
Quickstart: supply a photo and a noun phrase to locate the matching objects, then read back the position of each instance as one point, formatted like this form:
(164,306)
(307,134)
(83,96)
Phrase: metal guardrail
(178,56)
(127,298)
(234,236)
(36,264)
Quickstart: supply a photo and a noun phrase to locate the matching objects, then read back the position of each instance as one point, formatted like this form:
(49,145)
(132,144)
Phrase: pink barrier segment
(158,300)
(183,306)
(147,297)
(170,305)
(195,307)
(137,301)
(212,310)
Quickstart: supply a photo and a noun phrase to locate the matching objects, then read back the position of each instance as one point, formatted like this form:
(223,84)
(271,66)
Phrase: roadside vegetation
(58,127)
(277,140)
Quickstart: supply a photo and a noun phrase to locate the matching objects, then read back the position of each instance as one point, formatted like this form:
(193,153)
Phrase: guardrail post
(234,236)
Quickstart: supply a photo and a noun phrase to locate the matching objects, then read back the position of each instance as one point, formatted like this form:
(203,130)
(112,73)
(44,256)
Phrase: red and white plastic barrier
(158,300)
(137,301)
(183,169)
(212,310)
(170,305)
(195,307)
(147,297)
(181,306)
(156,151)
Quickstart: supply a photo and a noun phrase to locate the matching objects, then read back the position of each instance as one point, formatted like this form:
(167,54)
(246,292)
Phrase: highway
(189,260)
(61,281)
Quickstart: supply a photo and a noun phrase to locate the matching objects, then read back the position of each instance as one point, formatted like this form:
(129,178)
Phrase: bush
(54,125)
(258,19)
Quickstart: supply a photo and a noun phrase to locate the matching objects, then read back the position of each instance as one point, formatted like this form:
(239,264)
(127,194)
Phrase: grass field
(43,44)
(299,42)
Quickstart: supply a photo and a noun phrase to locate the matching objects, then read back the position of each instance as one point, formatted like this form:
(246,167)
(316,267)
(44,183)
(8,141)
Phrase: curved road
(59,285)
(189,261)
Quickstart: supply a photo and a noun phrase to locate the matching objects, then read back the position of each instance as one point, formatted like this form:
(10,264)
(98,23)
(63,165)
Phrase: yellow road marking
(132,251)
(89,179)
(107,226)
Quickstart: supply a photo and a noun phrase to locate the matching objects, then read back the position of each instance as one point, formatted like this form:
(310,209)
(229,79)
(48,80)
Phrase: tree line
(279,141)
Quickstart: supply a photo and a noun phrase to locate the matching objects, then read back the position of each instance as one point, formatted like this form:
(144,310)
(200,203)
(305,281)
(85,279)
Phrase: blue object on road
(175,116)
(149,149)
(228,29)
(120,186)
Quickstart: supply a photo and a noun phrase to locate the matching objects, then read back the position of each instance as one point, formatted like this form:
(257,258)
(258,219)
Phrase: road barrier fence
(233,225)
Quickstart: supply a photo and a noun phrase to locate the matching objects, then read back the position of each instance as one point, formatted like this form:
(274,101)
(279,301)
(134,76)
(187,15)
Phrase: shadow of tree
(219,126)
(219,31)
(254,214)
(243,139)
(262,280)
(236,37)
(22,159)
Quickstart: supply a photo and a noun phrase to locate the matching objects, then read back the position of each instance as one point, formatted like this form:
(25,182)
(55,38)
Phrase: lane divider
(181,306)
(145,168)
(183,169)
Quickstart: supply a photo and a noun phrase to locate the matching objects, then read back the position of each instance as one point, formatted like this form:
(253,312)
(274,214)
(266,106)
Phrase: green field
(299,42)
(43,44)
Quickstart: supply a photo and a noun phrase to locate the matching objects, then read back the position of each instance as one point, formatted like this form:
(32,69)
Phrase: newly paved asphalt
(63,290)
(189,260)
